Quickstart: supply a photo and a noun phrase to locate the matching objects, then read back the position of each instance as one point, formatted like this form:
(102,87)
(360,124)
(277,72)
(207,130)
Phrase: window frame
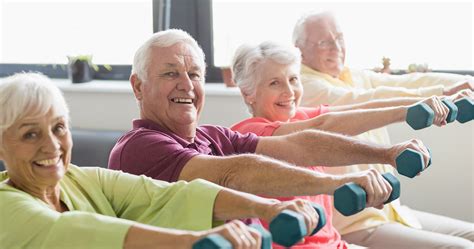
(193,16)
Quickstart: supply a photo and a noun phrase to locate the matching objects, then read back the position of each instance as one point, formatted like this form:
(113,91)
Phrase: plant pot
(80,71)
(227,77)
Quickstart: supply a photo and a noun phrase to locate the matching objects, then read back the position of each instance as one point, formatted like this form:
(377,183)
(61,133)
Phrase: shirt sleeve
(259,126)
(416,80)
(156,156)
(231,142)
(318,91)
(178,205)
(25,222)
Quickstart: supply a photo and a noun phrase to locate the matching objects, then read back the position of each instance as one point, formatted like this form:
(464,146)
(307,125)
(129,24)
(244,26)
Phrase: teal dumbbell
(410,162)
(466,110)
(217,241)
(350,198)
(453,110)
(288,227)
(420,116)
(213,241)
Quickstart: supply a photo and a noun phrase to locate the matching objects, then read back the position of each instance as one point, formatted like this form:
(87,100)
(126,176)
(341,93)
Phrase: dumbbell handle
(287,236)
(410,162)
(217,241)
(357,196)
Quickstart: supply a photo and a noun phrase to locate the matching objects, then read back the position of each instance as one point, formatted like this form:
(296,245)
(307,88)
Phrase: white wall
(445,188)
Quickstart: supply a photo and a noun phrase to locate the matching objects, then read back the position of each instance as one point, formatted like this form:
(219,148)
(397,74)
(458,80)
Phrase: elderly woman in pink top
(268,77)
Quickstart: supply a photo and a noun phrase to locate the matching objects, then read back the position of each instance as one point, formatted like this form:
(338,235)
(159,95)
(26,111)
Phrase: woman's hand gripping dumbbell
(289,223)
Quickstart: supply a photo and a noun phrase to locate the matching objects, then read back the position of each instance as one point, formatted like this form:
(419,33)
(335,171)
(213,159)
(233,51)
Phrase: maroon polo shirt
(154,151)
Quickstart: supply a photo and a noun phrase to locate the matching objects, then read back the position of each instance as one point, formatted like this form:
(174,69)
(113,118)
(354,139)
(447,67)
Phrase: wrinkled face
(324,48)
(278,91)
(36,150)
(173,93)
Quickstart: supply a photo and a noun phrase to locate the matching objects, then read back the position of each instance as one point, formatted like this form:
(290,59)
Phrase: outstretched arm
(350,122)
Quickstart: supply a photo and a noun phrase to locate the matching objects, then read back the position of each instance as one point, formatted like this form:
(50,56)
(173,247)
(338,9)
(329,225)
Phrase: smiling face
(278,92)
(172,94)
(36,150)
(324,49)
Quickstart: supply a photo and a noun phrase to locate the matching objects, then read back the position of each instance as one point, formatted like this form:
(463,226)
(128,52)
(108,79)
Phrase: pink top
(328,236)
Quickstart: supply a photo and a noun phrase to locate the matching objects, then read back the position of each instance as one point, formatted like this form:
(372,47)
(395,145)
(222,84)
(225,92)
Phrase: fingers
(305,209)
(378,190)
(440,110)
(240,235)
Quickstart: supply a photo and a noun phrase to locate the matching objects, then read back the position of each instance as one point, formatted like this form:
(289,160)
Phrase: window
(436,33)
(44,32)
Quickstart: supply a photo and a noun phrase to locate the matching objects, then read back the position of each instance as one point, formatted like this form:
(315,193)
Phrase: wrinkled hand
(461,94)
(377,188)
(440,110)
(238,234)
(459,86)
(414,144)
(302,207)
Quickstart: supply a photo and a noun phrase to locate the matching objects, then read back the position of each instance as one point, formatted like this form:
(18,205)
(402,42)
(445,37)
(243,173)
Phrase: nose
(288,89)
(50,143)
(185,83)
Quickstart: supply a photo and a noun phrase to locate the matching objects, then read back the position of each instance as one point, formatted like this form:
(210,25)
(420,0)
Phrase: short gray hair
(25,94)
(248,58)
(299,31)
(162,39)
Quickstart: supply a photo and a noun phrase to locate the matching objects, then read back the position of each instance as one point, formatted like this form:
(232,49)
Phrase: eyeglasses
(328,44)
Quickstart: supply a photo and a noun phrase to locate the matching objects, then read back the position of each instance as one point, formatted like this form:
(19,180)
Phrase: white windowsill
(109,86)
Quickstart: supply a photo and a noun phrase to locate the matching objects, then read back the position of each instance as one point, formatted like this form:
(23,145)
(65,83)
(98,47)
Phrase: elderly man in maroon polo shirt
(167,144)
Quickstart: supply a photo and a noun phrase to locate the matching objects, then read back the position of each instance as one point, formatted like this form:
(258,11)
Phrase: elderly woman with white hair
(269,79)
(46,202)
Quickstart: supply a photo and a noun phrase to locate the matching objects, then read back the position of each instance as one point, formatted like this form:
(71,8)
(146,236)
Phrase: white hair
(162,39)
(299,31)
(25,94)
(248,58)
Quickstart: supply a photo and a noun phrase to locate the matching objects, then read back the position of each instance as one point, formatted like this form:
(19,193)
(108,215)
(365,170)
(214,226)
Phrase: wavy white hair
(28,94)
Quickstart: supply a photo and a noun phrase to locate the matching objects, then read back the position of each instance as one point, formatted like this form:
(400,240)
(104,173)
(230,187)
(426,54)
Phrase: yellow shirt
(360,86)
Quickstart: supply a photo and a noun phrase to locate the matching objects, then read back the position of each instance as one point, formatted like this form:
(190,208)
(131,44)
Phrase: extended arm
(350,122)
(313,147)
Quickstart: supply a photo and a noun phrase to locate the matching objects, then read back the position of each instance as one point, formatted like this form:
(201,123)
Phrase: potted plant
(81,68)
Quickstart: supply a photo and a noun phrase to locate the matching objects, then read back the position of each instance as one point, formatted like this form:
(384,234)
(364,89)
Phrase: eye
(195,76)
(294,80)
(30,135)
(274,83)
(171,74)
(60,129)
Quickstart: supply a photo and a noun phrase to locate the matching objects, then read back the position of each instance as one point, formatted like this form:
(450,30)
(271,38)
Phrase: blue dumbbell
(217,241)
(410,162)
(420,116)
(288,227)
(453,110)
(466,110)
(350,198)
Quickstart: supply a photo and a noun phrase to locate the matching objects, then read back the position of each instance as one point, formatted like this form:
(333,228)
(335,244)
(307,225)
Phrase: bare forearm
(355,122)
(379,103)
(145,236)
(312,147)
(273,178)
(231,204)
(258,175)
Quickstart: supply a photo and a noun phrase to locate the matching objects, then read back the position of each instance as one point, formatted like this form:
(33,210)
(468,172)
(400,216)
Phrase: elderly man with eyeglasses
(326,80)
